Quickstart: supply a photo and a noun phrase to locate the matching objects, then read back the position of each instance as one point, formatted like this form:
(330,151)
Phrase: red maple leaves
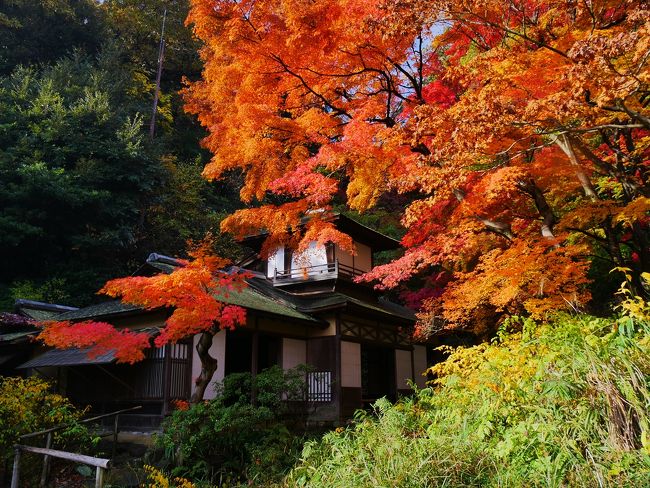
(193,293)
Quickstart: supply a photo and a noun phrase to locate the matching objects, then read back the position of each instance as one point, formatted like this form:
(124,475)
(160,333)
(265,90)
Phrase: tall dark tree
(38,31)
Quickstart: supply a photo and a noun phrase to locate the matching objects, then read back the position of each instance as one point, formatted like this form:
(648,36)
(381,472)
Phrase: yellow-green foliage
(559,404)
(158,479)
(28,405)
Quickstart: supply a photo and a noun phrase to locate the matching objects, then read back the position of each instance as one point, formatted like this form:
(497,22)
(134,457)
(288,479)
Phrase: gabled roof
(336,300)
(104,309)
(40,310)
(256,297)
(75,356)
(166,264)
(16,328)
(251,297)
(260,296)
(329,300)
(68,357)
(359,232)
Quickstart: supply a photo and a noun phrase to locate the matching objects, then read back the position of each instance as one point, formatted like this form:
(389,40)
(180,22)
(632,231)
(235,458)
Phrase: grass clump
(563,403)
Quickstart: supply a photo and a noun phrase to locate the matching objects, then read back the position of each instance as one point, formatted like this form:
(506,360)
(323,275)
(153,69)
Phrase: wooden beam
(167,377)
(70,456)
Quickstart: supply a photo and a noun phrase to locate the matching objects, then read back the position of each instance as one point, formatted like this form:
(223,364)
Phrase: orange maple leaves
(193,293)
(519,127)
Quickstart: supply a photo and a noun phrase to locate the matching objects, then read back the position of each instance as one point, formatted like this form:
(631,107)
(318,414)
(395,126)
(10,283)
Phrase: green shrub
(28,405)
(230,438)
(559,404)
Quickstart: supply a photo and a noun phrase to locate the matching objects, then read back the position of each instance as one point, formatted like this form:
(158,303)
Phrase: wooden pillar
(255,347)
(116,422)
(412,364)
(15,474)
(190,361)
(167,378)
(99,477)
(337,367)
(46,460)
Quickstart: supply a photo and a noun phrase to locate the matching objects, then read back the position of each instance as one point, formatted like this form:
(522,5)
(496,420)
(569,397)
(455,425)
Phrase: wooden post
(46,460)
(99,477)
(167,378)
(15,475)
(115,432)
(338,390)
(412,364)
(255,346)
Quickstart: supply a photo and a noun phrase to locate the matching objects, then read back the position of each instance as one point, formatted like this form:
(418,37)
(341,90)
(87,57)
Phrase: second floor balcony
(315,272)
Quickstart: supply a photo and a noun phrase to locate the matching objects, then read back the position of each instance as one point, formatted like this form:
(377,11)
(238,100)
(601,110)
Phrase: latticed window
(319,386)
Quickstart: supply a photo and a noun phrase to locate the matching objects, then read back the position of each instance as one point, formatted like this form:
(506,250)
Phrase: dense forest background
(85,194)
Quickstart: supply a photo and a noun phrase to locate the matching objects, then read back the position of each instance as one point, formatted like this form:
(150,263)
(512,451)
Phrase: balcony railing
(317,272)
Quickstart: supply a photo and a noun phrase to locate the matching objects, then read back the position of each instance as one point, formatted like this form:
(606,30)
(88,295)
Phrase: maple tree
(192,292)
(521,125)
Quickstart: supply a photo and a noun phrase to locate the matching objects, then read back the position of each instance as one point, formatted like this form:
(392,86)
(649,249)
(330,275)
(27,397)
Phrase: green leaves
(560,404)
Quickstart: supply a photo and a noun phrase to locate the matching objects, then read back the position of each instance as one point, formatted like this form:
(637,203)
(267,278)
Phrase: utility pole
(161,56)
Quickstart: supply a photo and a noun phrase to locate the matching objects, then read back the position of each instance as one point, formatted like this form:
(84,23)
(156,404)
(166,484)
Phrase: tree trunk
(565,144)
(501,228)
(548,217)
(208,365)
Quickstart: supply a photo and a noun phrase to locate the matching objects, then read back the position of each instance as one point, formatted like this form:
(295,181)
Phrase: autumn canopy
(519,130)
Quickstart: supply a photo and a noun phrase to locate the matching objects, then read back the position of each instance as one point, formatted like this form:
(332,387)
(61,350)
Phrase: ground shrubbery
(230,439)
(558,404)
(28,405)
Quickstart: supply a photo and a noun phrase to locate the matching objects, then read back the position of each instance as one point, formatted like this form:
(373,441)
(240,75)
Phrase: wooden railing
(317,271)
(99,463)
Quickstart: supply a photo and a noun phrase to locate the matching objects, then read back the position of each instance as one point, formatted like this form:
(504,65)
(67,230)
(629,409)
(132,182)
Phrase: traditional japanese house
(18,330)
(304,309)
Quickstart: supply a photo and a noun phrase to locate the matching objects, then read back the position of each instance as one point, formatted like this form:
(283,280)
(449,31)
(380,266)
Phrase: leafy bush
(559,404)
(28,405)
(230,439)
(158,479)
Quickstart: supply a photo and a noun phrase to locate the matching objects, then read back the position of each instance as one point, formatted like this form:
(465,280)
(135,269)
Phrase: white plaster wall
(294,352)
(275,261)
(217,351)
(315,255)
(402,368)
(350,364)
(420,365)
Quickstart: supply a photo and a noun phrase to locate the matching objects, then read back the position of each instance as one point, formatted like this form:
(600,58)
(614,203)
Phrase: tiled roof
(67,357)
(12,336)
(253,297)
(40,310)
(331,300)
(250,297)
(358,231)
(76,356)
(98,310)
(260,295)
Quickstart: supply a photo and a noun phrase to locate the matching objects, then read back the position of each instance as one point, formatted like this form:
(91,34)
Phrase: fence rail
(327,270)
(99,464)
(47,452)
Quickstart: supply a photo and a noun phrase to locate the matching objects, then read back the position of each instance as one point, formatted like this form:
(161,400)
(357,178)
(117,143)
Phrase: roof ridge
(37,305)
